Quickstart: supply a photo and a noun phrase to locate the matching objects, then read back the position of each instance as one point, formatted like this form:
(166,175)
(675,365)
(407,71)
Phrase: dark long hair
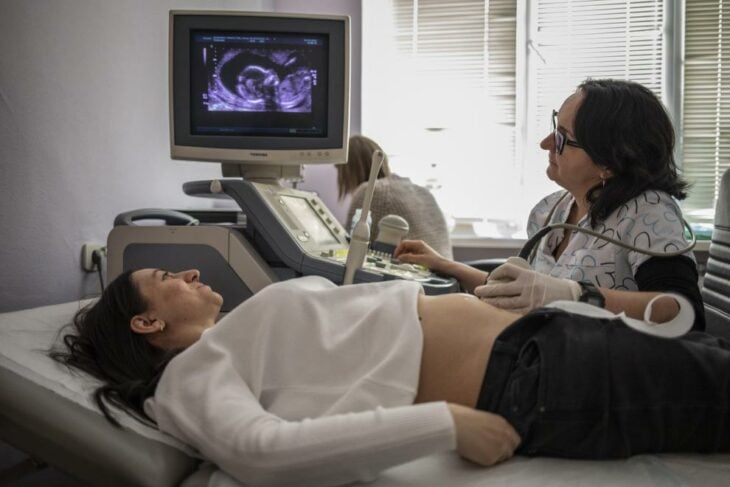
(624,127)
(104,346)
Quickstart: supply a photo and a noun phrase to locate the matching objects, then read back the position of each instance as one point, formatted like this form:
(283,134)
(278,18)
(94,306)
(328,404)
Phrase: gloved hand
(514,286)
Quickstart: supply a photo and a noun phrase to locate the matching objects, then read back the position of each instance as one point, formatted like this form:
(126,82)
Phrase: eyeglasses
(561,140)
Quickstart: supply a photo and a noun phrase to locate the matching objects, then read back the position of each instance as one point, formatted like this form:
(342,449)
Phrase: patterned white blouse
(650,221)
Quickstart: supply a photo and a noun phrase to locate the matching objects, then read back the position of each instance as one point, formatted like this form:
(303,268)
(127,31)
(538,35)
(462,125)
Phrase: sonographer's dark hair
(104,346)
(357,169)
(624,127)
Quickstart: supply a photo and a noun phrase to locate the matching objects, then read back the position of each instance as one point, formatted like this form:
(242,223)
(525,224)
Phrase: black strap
(673,274)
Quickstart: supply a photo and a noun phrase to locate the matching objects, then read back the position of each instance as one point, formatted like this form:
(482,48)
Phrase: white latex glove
(516,287)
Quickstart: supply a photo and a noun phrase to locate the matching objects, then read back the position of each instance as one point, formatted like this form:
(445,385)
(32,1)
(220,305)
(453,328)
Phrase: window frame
(672,79)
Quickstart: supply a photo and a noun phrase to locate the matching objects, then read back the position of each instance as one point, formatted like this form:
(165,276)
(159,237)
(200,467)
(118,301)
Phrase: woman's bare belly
(458,334)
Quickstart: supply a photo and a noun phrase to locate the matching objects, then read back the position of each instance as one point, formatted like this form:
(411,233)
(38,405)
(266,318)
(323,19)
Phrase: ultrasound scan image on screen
(253,84)
(259,79)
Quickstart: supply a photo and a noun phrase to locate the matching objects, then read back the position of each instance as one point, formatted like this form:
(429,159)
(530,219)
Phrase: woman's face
(573,169)
(180,307)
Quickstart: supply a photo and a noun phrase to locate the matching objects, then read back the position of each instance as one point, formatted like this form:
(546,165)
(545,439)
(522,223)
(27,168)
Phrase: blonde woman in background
(394,195)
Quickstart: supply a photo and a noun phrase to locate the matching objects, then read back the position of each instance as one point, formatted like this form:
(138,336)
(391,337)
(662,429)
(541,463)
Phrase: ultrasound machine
(262,94)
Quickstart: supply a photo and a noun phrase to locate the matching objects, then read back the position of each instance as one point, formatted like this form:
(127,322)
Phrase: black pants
(580,387)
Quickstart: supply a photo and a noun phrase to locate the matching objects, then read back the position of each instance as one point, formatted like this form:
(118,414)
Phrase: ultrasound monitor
(259,88)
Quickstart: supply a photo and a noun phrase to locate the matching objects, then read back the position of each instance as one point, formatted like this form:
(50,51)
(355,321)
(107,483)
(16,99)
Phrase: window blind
(460,47)
(706,104)
(467,42)
(571,40)
(444,72)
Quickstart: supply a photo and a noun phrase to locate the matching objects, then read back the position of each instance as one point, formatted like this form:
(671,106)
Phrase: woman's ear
(145,325)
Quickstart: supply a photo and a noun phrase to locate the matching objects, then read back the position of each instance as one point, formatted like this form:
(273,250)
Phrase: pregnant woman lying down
(310,383)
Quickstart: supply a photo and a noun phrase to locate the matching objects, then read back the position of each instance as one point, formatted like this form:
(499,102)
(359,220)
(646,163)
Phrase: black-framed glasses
(561,140)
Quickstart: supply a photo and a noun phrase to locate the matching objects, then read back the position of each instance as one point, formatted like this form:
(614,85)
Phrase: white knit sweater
(394,195)
(306,383)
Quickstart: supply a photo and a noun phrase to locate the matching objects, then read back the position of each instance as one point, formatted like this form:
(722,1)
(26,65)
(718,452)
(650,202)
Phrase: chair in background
(716,284)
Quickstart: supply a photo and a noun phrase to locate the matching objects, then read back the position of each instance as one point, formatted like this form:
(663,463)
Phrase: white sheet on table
(447,469)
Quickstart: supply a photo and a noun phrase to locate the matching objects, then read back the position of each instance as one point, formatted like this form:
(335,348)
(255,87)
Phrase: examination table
(46,411)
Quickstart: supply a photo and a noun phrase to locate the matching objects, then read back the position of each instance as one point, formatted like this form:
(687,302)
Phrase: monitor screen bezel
(260,149)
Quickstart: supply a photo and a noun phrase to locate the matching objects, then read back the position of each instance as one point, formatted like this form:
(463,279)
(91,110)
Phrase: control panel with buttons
(384,263)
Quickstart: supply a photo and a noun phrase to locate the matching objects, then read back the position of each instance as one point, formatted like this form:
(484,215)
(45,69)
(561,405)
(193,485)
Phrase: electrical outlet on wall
(87,251)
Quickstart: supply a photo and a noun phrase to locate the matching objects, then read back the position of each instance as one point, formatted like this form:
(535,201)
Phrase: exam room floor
(47,477)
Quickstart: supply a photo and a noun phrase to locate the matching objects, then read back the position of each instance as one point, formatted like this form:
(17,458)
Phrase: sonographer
(611,149)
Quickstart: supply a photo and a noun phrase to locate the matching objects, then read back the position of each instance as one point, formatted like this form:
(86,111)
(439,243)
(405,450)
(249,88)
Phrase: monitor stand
(262,173)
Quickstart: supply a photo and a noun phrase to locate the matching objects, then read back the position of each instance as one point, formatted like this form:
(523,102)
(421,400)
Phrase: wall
(84,133)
